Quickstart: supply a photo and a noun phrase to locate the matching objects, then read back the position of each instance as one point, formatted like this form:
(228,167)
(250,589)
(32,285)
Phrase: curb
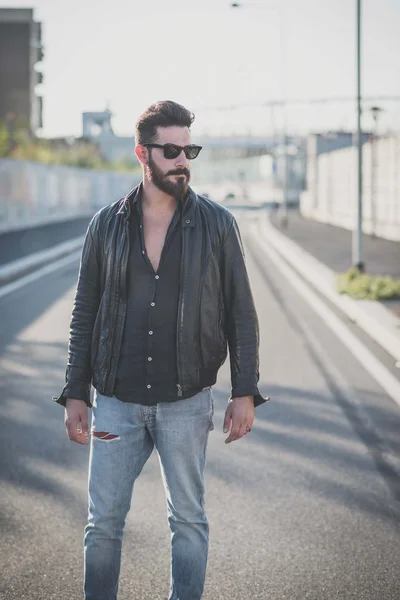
(18,268)
(374,318)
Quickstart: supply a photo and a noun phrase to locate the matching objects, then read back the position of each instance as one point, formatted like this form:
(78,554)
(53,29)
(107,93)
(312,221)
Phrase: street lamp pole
(357,232)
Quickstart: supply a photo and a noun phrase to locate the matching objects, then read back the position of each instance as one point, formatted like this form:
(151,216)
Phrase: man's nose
(181,160)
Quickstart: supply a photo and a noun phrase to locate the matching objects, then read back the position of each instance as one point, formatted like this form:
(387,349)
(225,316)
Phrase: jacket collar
(125,205)
(132,197)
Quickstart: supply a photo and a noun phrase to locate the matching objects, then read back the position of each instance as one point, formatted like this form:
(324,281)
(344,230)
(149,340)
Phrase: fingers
(239,417)
(76,421)
(77,431)
(228,419)
(85,427)
(232,436)
(238,430)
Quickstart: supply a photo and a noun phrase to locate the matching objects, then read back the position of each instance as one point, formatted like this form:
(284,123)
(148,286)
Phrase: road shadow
(25,305)
(308,433)
(36,453)
(302,427)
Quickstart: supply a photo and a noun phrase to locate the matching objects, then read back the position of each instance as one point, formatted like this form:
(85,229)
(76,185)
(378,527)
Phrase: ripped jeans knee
(105,436)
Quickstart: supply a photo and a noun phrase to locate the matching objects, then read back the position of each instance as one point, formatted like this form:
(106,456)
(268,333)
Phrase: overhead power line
(298,101)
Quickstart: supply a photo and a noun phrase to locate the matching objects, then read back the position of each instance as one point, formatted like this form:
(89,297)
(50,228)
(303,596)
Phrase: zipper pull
(179,389)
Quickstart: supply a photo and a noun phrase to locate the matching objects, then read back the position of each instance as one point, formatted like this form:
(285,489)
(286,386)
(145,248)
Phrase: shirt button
(157,277)
(149,386)
(150,333)
(187,221)
(142,251)
(153,304)
(149,359)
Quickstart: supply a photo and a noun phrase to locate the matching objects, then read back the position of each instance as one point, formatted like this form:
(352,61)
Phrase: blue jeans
(179,431)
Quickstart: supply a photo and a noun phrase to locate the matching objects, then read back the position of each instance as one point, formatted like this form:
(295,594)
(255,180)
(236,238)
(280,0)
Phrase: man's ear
(142,154)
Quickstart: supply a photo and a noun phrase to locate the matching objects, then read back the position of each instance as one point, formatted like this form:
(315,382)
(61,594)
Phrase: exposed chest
(155,232)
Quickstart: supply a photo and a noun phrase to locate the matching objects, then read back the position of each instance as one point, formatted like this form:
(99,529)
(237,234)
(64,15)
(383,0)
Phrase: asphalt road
(307,506)
(20,243)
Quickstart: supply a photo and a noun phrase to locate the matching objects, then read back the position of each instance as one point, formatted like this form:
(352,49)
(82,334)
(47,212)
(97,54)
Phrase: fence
(33,193)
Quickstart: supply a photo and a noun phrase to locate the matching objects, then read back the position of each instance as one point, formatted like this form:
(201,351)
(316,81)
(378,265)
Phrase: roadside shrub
(363,286)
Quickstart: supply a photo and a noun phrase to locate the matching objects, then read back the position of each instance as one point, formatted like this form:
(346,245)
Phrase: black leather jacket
(215,305)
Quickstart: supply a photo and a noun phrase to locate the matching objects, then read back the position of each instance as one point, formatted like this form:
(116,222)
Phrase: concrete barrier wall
(33,193)
(331,196)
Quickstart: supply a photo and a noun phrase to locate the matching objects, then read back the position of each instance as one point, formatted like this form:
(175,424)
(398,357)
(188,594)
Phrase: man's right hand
(76,420)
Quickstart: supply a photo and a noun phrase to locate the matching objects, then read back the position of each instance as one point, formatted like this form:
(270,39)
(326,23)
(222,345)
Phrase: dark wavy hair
(165,113)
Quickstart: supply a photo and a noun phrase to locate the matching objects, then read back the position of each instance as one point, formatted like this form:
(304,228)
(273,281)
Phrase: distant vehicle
(230,196)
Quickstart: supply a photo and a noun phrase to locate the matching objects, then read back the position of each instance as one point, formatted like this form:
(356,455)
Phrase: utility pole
(375,110)
(357,232)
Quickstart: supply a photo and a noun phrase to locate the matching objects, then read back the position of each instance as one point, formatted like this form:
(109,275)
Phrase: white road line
(372,365)
(17,269)
(386,451)
(54,266)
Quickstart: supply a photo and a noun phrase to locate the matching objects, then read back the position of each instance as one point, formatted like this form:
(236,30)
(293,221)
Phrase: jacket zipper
(178,361)
(117,295)
(199,307)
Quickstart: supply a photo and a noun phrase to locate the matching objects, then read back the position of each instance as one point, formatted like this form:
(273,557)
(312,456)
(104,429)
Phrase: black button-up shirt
(147,368)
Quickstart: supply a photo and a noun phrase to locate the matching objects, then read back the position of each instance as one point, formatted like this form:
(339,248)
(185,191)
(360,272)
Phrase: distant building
(97,128)
(321,143)
(20,50)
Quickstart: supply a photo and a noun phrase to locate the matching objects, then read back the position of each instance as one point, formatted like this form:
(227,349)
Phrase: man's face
(171,176)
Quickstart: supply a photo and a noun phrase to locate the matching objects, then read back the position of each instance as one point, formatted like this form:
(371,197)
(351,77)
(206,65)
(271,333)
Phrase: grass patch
(367,287)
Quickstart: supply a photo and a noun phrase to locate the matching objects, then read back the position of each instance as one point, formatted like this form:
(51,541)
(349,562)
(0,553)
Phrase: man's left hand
(239,417)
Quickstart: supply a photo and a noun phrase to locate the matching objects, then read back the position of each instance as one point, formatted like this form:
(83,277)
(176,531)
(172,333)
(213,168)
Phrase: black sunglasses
(173,151)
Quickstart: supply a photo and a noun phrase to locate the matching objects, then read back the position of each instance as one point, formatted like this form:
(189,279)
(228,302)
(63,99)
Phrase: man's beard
(176,189)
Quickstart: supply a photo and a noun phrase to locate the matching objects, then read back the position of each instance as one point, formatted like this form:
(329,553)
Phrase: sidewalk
(333,247)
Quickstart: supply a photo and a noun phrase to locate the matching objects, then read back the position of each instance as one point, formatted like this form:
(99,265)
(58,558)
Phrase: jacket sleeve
(87,299)
(241,319)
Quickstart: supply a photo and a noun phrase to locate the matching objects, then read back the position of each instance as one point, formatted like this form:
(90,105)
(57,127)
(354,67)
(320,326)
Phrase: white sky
(130,53)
